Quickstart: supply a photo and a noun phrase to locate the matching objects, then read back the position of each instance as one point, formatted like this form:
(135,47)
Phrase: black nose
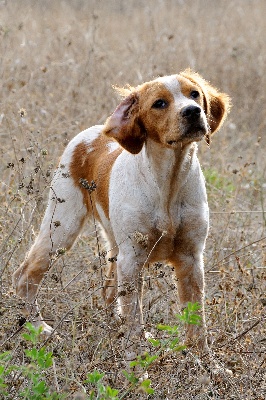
(192,113)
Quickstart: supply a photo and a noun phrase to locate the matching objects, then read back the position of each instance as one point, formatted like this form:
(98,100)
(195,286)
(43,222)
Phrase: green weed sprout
(34,372)
(101,392)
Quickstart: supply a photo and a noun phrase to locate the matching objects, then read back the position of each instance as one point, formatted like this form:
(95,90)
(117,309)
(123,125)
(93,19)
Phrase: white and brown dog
(150,196)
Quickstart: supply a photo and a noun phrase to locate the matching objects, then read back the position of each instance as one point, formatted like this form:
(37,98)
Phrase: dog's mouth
(190,134)
(172,142)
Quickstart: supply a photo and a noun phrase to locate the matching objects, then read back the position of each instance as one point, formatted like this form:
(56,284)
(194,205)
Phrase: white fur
(66,207)
(87,136)
(112,146)
(172,84)
(65,201)
(144,205)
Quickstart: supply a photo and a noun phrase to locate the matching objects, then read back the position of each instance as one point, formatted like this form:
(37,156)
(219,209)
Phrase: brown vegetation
(58,62)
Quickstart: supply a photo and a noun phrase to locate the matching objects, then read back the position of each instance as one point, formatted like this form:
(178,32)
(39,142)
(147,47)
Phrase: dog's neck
(166,166)
(165,172)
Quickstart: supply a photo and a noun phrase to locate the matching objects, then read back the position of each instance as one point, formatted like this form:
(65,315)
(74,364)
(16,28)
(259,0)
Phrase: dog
(139,176)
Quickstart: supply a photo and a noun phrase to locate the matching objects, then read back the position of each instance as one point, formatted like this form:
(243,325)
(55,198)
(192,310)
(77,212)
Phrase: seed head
(22,112)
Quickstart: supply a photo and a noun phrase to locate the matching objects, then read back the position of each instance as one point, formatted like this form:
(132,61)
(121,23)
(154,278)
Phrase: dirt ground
(58,62)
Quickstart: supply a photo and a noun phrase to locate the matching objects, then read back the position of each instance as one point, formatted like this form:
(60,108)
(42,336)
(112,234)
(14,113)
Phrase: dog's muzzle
(195,127)
(191,113)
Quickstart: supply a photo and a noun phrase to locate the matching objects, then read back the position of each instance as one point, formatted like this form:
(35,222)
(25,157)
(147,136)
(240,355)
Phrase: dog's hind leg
(63,220)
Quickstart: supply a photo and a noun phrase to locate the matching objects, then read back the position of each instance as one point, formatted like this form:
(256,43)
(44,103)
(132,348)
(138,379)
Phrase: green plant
(4,371)
(142,363)
(40,360)
(171,342)
(138,380)
(33,373)
(101,391)
(218,181)
(188,316)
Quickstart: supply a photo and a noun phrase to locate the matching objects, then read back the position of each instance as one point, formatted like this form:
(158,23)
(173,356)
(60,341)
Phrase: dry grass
(58,60)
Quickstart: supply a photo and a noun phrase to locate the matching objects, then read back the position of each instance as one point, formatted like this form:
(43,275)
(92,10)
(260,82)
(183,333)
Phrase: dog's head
(170,110)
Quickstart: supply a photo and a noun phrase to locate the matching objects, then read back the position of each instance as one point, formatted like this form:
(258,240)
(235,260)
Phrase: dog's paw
(217,369)
(47,330)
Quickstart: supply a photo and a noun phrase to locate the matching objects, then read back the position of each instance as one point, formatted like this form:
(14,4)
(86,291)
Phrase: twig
(236,212)
(55,376)
(234,252)
(248,329)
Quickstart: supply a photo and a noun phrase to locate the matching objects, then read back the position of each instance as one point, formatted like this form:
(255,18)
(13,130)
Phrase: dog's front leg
(189,271)
(130,287)
(109,291)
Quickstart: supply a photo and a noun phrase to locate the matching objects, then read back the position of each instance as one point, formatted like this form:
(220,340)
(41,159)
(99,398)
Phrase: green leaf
(179,348)
(154,342)
(172,330)
(32,353)
(173,343)
(163,327)
(133,363)
(26,336)
(112,393)
(190,315)
(5,356)
(40,388)
(143,361)
(146,386)
(130,377)
(94,377)
(149,360)
(34,333)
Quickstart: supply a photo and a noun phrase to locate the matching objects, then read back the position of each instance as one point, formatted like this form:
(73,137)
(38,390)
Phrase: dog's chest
(154,231)
(167,218)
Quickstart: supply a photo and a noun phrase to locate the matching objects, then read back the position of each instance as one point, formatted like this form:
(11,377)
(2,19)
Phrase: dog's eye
(194,94)
(160,104)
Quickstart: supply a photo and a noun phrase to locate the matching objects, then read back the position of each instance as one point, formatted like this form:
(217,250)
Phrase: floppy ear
(125,126)
(216,104)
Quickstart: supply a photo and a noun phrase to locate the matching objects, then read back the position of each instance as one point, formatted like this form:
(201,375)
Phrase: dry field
(58,62)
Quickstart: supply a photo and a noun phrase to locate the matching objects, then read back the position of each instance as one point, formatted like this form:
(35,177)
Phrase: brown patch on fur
(28,276)
(134,119)
(94,162)
(125,126)
(157,122)
(216,104)
(187,87)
